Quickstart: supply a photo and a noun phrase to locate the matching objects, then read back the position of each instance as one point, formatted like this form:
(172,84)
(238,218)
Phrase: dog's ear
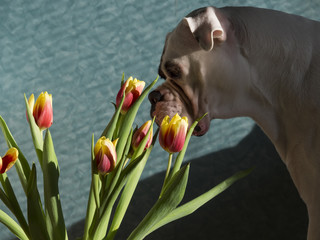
(205,27)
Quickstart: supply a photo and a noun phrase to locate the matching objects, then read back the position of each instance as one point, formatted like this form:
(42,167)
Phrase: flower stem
(166,178)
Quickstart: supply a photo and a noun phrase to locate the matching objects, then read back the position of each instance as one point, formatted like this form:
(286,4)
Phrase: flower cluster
(117,159)
(172,132)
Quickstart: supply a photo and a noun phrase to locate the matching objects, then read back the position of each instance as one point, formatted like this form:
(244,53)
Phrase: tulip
(172,134)
(8,160)
(42,110)
(140,134)
(105,154)
(132,89)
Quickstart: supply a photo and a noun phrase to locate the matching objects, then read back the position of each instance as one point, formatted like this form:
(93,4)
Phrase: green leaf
(196,203)
(22,166)
(36,216)
(51,174)
(113,177)
(12,226)
(111,127)
(181,154)
(35,132)
(170,199)
(122,80)
(14,204)
(98,232)
(129,189)
(5,199)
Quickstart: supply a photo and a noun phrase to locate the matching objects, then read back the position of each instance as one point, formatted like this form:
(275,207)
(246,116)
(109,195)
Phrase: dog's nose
(154,97)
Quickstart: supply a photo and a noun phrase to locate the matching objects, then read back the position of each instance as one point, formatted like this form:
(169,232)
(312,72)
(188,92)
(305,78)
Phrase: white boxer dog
(243,61)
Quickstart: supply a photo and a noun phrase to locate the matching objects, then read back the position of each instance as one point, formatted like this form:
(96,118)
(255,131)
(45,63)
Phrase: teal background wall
(77,51)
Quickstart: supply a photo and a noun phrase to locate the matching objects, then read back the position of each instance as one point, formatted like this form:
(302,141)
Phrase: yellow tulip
(172,134)
(132,88)
(105,154)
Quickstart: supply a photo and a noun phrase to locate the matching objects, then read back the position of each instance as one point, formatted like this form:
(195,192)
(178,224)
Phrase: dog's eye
(173,70)
(161,74)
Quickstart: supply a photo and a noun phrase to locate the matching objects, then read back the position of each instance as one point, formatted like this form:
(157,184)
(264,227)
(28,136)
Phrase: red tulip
(42,110)
(105,154)
(140,134)
(8,160)
(172,134)
(132,89)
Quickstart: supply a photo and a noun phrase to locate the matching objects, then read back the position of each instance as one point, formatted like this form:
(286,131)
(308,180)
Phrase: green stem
(166,178)
(93,200)
(118,126)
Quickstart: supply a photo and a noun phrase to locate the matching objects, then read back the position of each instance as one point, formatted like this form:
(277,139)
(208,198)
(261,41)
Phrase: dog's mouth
(202,127)
(160,107)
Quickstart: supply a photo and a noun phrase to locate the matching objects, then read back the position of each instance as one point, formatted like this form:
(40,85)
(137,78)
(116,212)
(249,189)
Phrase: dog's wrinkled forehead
(179,42)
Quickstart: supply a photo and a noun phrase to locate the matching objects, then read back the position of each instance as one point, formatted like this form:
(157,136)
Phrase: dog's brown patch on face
(169,104)
(165,108)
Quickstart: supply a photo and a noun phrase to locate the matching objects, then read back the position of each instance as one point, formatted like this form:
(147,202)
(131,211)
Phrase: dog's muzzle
(154,97)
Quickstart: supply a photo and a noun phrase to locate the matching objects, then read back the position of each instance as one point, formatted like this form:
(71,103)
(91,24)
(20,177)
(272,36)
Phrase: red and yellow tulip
(140,134)
(132,88)
(42,110)
(8,160)
(172,134)
(105,155)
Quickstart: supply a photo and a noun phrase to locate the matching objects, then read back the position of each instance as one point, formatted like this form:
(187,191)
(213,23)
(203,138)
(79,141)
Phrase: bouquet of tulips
(118,158)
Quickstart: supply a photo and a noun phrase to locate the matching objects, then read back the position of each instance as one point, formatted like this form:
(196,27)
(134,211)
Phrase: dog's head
(188,64)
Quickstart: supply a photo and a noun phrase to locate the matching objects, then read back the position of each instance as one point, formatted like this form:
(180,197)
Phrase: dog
(244,61)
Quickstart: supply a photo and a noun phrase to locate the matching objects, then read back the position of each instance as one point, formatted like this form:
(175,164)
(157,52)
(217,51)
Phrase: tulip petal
(104,163)
(140,134)
(42,110)
(105,154)
(178,140)
(45,118)
(163,132)
(132,88)
(8,160)
(172,134)
(31,101)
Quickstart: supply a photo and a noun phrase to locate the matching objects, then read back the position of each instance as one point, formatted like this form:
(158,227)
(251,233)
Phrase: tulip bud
(105,154)
(132,89)
(140,134)
(8,160)
(42,110)
(172,134)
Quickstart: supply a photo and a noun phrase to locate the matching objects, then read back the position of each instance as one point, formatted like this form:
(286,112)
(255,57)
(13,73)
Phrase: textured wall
(77,50)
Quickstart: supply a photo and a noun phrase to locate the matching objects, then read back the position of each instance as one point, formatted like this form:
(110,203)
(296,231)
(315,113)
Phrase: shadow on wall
(264,205)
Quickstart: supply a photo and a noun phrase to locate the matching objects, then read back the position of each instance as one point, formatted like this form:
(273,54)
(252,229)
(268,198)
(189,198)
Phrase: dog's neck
(279,90)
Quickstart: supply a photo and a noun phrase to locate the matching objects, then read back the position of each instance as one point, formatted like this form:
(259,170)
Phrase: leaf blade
(196,203)
(170,199)
(51,174)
